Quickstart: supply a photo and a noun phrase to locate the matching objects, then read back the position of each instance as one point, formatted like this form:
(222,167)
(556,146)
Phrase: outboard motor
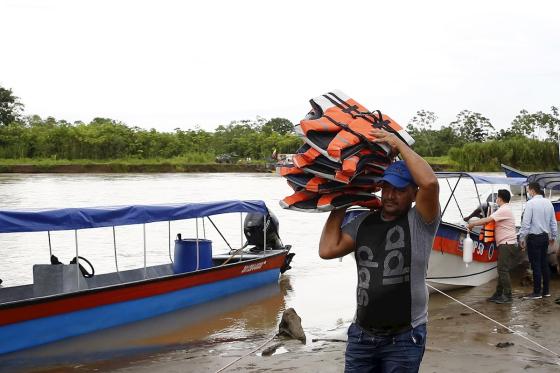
(253,227)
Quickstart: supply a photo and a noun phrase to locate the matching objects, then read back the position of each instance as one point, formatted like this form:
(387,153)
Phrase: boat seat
(51,279)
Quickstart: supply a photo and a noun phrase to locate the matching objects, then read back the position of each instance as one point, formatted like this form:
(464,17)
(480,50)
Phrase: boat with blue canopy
(547,180)
(66,300)
(446,269)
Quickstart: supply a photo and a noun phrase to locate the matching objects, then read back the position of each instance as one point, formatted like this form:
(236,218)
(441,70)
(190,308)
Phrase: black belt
(533,235)
(386,332)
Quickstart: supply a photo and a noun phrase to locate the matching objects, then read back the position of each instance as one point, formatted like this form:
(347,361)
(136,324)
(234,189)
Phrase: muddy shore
(459,340)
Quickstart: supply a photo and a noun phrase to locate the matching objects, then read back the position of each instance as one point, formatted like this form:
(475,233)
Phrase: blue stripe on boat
(448,232)
(36,332)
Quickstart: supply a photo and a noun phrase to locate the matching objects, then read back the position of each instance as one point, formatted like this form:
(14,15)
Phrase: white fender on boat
(468,247)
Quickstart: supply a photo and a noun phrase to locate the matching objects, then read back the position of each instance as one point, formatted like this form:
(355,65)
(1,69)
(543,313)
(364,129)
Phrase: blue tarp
(95,217)
(479,179)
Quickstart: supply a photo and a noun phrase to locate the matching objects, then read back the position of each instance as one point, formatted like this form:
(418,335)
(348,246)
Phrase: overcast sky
(167,64)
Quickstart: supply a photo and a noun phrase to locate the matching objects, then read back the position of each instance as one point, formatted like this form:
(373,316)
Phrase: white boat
(446,269)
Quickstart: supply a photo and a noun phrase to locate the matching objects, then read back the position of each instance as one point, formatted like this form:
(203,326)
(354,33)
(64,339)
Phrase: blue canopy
(479,179)
(95,217)
(547,180)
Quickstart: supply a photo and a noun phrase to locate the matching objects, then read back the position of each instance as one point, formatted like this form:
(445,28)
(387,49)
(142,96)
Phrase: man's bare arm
(334,243)
(480,222)
(427,199)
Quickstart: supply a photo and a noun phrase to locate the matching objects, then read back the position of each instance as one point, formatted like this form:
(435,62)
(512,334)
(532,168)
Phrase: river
(322,292)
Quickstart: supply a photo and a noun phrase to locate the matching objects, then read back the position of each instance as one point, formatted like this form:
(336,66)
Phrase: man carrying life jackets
(506,241)
(392,247)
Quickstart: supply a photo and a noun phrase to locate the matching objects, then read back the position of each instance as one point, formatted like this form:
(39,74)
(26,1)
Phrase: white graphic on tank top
(394,270)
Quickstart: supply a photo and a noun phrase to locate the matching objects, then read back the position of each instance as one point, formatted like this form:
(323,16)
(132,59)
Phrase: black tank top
(383,257)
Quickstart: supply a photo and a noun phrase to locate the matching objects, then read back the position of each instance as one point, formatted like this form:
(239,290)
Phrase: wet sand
(459,340)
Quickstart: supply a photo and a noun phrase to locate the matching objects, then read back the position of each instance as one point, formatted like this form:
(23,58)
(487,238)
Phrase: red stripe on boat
(99,297)
(446,245)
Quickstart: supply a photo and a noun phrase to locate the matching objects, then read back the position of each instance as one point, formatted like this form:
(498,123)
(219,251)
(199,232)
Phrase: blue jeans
(366,353)
(537,247)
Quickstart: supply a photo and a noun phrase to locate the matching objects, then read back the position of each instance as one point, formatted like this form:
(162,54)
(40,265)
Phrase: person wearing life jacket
(500,226)
(392,247)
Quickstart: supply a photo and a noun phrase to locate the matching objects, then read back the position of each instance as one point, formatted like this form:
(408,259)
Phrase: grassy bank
(123,166)
(442,163)
(153,165)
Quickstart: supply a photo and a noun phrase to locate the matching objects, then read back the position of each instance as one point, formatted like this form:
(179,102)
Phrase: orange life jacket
(305,158)
(364,162)
(340,123)
(319,184)
(487,232)
(314,202)
(289,170)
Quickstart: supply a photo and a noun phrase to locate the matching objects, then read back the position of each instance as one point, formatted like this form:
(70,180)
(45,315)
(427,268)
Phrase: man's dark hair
(505,195)
(536,187)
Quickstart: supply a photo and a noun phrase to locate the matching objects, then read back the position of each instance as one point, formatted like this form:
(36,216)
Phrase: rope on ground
(496,322)
(247,354)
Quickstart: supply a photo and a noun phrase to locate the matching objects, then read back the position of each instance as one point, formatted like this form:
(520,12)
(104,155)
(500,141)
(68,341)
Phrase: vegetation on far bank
(177,164)
(469,143)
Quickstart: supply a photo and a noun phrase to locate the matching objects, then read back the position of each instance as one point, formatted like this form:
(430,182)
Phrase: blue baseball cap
(398,175)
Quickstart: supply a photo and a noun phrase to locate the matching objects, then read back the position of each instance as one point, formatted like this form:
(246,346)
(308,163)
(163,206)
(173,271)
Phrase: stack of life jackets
(338,165)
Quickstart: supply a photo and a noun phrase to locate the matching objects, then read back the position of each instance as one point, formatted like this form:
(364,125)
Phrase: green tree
(534,124)
(278,125)
(420,128)
(472,127)
(10,107)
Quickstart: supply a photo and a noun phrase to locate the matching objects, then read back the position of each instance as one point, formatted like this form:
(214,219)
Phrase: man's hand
(387,137)
(470,226)
(550,242)
(523,245)
(427,197)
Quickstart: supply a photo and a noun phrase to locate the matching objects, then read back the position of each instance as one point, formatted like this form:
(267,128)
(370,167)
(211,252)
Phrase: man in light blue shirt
(538,230)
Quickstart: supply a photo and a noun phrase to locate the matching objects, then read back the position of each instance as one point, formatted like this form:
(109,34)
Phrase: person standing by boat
(392,249)
(506,241)
(538,230)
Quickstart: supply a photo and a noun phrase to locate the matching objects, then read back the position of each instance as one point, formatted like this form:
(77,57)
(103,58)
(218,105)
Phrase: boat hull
(43,320)
(446,269)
